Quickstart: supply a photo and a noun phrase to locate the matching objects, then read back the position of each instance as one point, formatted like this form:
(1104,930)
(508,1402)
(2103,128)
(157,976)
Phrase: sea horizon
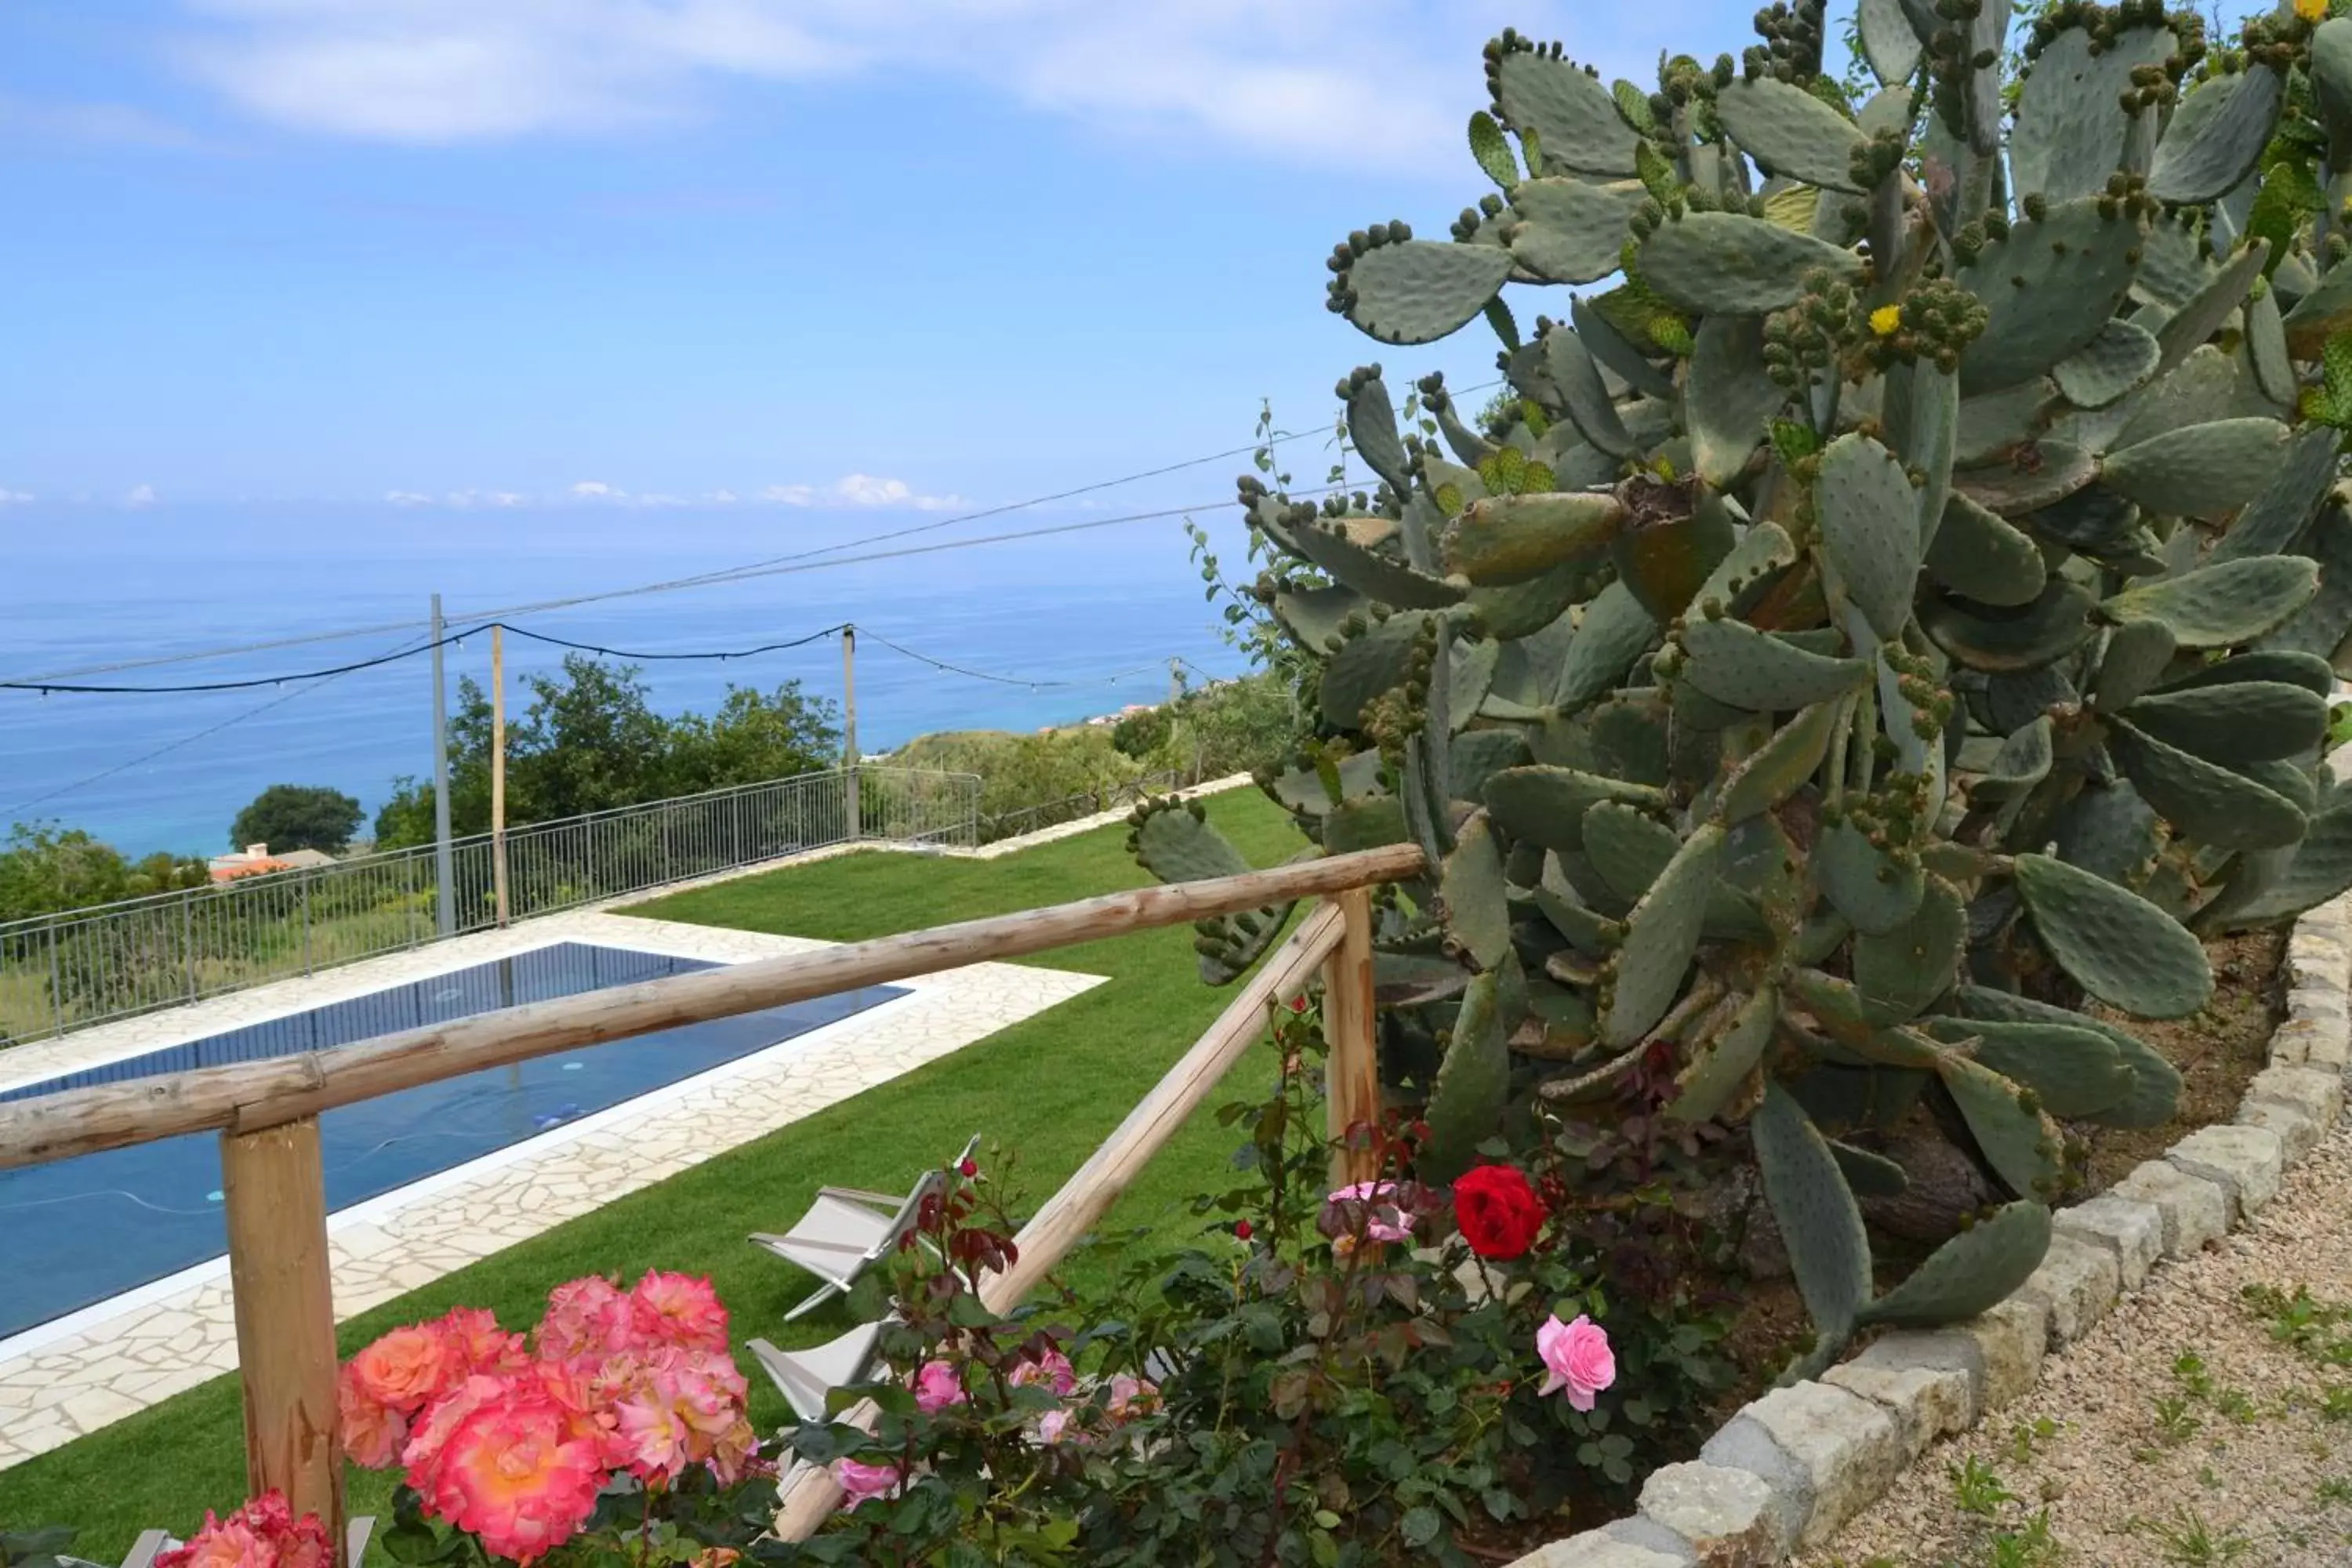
(98,585)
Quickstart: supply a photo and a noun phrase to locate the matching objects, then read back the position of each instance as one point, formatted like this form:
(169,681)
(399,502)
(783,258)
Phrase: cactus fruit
(1894,615)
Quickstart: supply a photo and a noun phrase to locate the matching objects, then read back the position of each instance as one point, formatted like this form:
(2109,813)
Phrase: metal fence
(1070,809)
(84,966)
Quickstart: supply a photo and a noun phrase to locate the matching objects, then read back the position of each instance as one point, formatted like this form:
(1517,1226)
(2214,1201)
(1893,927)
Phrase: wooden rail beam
(1087,1196)
(251,1095)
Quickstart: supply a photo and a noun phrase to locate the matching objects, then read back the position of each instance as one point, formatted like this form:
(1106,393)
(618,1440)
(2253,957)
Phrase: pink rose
(586,1318)
(936,1386)
(1132,1397)
(1053,1369)
(1576,1358)
(1054,1426)
(859,1482)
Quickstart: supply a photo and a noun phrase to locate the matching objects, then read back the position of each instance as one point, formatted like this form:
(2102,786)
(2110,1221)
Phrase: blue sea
(89,585)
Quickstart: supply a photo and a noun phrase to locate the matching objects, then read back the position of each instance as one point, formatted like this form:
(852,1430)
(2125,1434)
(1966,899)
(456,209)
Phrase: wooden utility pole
(498,770)
(855,814)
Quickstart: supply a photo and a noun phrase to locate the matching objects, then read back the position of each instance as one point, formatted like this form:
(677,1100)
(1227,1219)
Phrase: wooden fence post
(274,1189)
(1351,1073)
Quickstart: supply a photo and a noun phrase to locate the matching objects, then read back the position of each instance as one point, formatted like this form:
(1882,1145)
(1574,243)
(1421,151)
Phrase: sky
(867,256)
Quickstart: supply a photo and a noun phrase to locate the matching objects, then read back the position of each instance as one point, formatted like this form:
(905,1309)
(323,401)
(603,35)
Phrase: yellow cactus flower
(2311,10)
(1884,320)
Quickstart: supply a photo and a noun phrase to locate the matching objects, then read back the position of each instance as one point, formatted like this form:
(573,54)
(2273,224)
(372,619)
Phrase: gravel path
(2136,1456)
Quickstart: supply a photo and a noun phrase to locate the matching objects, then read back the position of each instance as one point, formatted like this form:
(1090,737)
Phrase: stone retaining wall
(1791,1467)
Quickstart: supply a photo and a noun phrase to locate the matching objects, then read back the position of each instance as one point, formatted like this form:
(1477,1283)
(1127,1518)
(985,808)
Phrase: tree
(297,817)
(590,740)
(45,868)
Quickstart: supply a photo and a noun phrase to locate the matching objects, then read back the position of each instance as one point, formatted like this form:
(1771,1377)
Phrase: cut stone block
(2297,1134)
(1826,1453)
(2312,1091)
(2010,1339)
(2246,1162)
(2079,1281)
(1927,1399)
(1597,1549)
(1726,1516)
(2133,1231)
(2194,1211)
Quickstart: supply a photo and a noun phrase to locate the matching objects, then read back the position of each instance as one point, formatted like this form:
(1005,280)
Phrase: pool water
(84,1230)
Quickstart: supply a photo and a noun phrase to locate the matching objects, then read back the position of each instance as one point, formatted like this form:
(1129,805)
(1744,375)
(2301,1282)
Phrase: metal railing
(80,967)
(1070,809)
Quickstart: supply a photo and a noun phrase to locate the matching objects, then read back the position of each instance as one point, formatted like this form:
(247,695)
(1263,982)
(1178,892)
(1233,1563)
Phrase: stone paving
(67,1378)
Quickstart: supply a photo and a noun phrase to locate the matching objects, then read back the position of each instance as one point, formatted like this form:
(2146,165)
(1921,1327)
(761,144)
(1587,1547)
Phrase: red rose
(1242,1230)
(968,1168)
(1498,1212)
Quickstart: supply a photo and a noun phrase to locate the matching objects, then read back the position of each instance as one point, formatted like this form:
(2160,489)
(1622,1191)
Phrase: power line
(725,575)
(164,750)
(801,560)
(46,685)
(1033,685)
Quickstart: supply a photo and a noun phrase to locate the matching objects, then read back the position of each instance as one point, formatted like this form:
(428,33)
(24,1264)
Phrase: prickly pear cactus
(1901,610)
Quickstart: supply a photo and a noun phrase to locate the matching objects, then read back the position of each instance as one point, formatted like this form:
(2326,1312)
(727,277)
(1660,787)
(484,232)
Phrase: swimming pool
(85,1229)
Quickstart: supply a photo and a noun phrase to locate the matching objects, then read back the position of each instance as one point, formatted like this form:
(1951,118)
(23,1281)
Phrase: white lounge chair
(805,1377)
(847,1230)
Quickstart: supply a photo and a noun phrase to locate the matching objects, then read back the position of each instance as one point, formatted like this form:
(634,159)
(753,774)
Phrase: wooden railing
(266,1113)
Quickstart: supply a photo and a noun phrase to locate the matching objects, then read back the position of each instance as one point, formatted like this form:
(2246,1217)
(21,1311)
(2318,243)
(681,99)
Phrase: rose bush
(1390,1371)
(616,1431)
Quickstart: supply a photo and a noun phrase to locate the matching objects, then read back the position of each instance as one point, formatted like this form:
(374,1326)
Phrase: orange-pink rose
(264,1533)
(584,1317)
(512,1473)
(430,1434)
(677,1310)
(477,1344)
(407,1368)
(373,1431)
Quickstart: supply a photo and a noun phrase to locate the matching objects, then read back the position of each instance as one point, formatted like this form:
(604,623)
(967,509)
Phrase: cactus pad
(1902,971)
(2114,944)
(1728,398)
(1504,540)
(2154,1097)
(1176,846)
(1980,556)
(1571,231)
(1866,509)
(1741,266)
(1789,131)
(1828,1248)
(2019,1143)
(1572,115)
(1615,632)
(1972,1273)
(2199,471)
(1875,894)
(1661,937)
(2247,720)
(1379,576)
(2030,636)
(1733,662)
(2207,154)
(2076,1072)
(2050,288)
(1418,291)
(1474,1082)
(2221,606)
(2117,363)
(2219,805)
(2068,137)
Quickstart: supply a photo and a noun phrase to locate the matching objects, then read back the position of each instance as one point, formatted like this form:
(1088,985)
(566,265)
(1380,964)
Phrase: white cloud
(407,498)
(860,489)
(1344,82)
(655,498)
(463,500)
(597,490)
(13,497)
(722,497)
(139,495)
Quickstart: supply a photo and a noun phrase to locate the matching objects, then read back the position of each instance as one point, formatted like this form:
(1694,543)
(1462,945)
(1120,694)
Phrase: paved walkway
(70,1377)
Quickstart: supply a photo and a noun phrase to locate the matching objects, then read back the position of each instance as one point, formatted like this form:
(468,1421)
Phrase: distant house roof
(255,860)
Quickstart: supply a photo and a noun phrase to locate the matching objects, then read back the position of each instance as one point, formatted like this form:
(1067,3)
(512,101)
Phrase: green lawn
(1050,1088)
